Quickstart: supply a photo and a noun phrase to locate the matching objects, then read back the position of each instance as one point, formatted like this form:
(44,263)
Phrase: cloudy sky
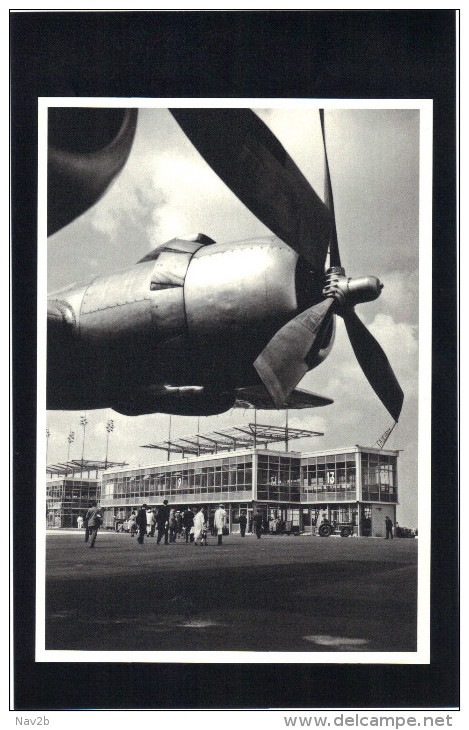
(166,189)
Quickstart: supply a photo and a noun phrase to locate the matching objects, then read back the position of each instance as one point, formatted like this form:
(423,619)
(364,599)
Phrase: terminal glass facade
(213,479)
(278,477)
(329,478)
(379,477)
(355,486)
(268,480)
(66,499)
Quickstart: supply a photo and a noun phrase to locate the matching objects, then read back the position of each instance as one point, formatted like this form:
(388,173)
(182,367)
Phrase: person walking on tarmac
(258,520)
(94,521)
(172,525)
(220,522)
(149,521)
(187,523)
(152,523)
(243,521)
(200,526)
(388,523)
(162,522)
(141,522)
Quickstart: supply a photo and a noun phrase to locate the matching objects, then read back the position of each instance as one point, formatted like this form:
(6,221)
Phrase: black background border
(319,54)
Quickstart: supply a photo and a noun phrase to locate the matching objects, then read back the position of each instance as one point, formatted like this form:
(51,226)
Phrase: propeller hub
(349,291)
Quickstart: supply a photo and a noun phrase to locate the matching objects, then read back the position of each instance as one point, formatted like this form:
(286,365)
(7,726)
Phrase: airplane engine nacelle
(180,401)
(144,301)
(229,287)
(191,313)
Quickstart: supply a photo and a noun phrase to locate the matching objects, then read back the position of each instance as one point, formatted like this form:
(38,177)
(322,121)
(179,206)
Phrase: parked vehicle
(344,529)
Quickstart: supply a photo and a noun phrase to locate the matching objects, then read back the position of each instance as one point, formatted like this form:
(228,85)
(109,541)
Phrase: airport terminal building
(356,486)
(68,498)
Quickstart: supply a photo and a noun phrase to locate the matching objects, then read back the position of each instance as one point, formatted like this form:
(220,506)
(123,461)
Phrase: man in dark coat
(388,523)
(187,523)
(162,522)
(94,520)
(243,521)
(141,521)
(258,520)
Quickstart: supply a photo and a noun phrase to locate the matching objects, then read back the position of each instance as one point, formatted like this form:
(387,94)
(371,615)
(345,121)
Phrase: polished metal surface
(229,287)
(349,291)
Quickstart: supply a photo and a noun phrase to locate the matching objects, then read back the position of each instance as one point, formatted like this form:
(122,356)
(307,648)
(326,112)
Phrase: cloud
(400,295)
(134,202)
(400,343)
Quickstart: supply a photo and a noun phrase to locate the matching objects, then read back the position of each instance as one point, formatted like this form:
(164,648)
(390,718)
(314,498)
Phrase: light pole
(70,439)
(109,429)
(169,437)
(47,442)
(83,421)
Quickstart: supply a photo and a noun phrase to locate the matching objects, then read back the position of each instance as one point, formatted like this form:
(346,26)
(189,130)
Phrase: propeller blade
(374,364)
(87,149)
(282,363)
(329,200)
(245,154)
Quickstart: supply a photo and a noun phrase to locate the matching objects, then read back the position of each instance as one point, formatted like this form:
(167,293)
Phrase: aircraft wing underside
(256,396)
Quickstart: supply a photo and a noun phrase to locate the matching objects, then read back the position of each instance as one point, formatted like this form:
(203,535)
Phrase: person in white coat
(150,517)
(220,522)
(199,527)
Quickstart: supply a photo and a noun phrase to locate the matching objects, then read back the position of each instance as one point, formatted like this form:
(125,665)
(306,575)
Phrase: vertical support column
(358,475)
(254,476)
(358,488)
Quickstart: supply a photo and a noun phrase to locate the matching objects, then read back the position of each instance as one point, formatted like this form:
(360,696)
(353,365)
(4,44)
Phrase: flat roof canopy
(238,437)
(80,465)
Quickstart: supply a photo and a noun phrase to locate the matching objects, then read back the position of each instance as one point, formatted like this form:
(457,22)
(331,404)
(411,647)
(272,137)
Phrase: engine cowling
(180,401)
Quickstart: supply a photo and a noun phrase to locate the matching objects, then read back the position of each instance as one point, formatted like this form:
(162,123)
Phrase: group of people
(171,524)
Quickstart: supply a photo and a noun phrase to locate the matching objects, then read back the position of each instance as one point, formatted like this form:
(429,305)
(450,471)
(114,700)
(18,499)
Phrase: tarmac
(279,593)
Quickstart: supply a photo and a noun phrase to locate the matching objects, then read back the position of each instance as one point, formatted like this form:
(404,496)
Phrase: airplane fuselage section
(191,314)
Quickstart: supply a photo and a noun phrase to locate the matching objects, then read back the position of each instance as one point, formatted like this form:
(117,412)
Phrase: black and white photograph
(233,410)
(245,382)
